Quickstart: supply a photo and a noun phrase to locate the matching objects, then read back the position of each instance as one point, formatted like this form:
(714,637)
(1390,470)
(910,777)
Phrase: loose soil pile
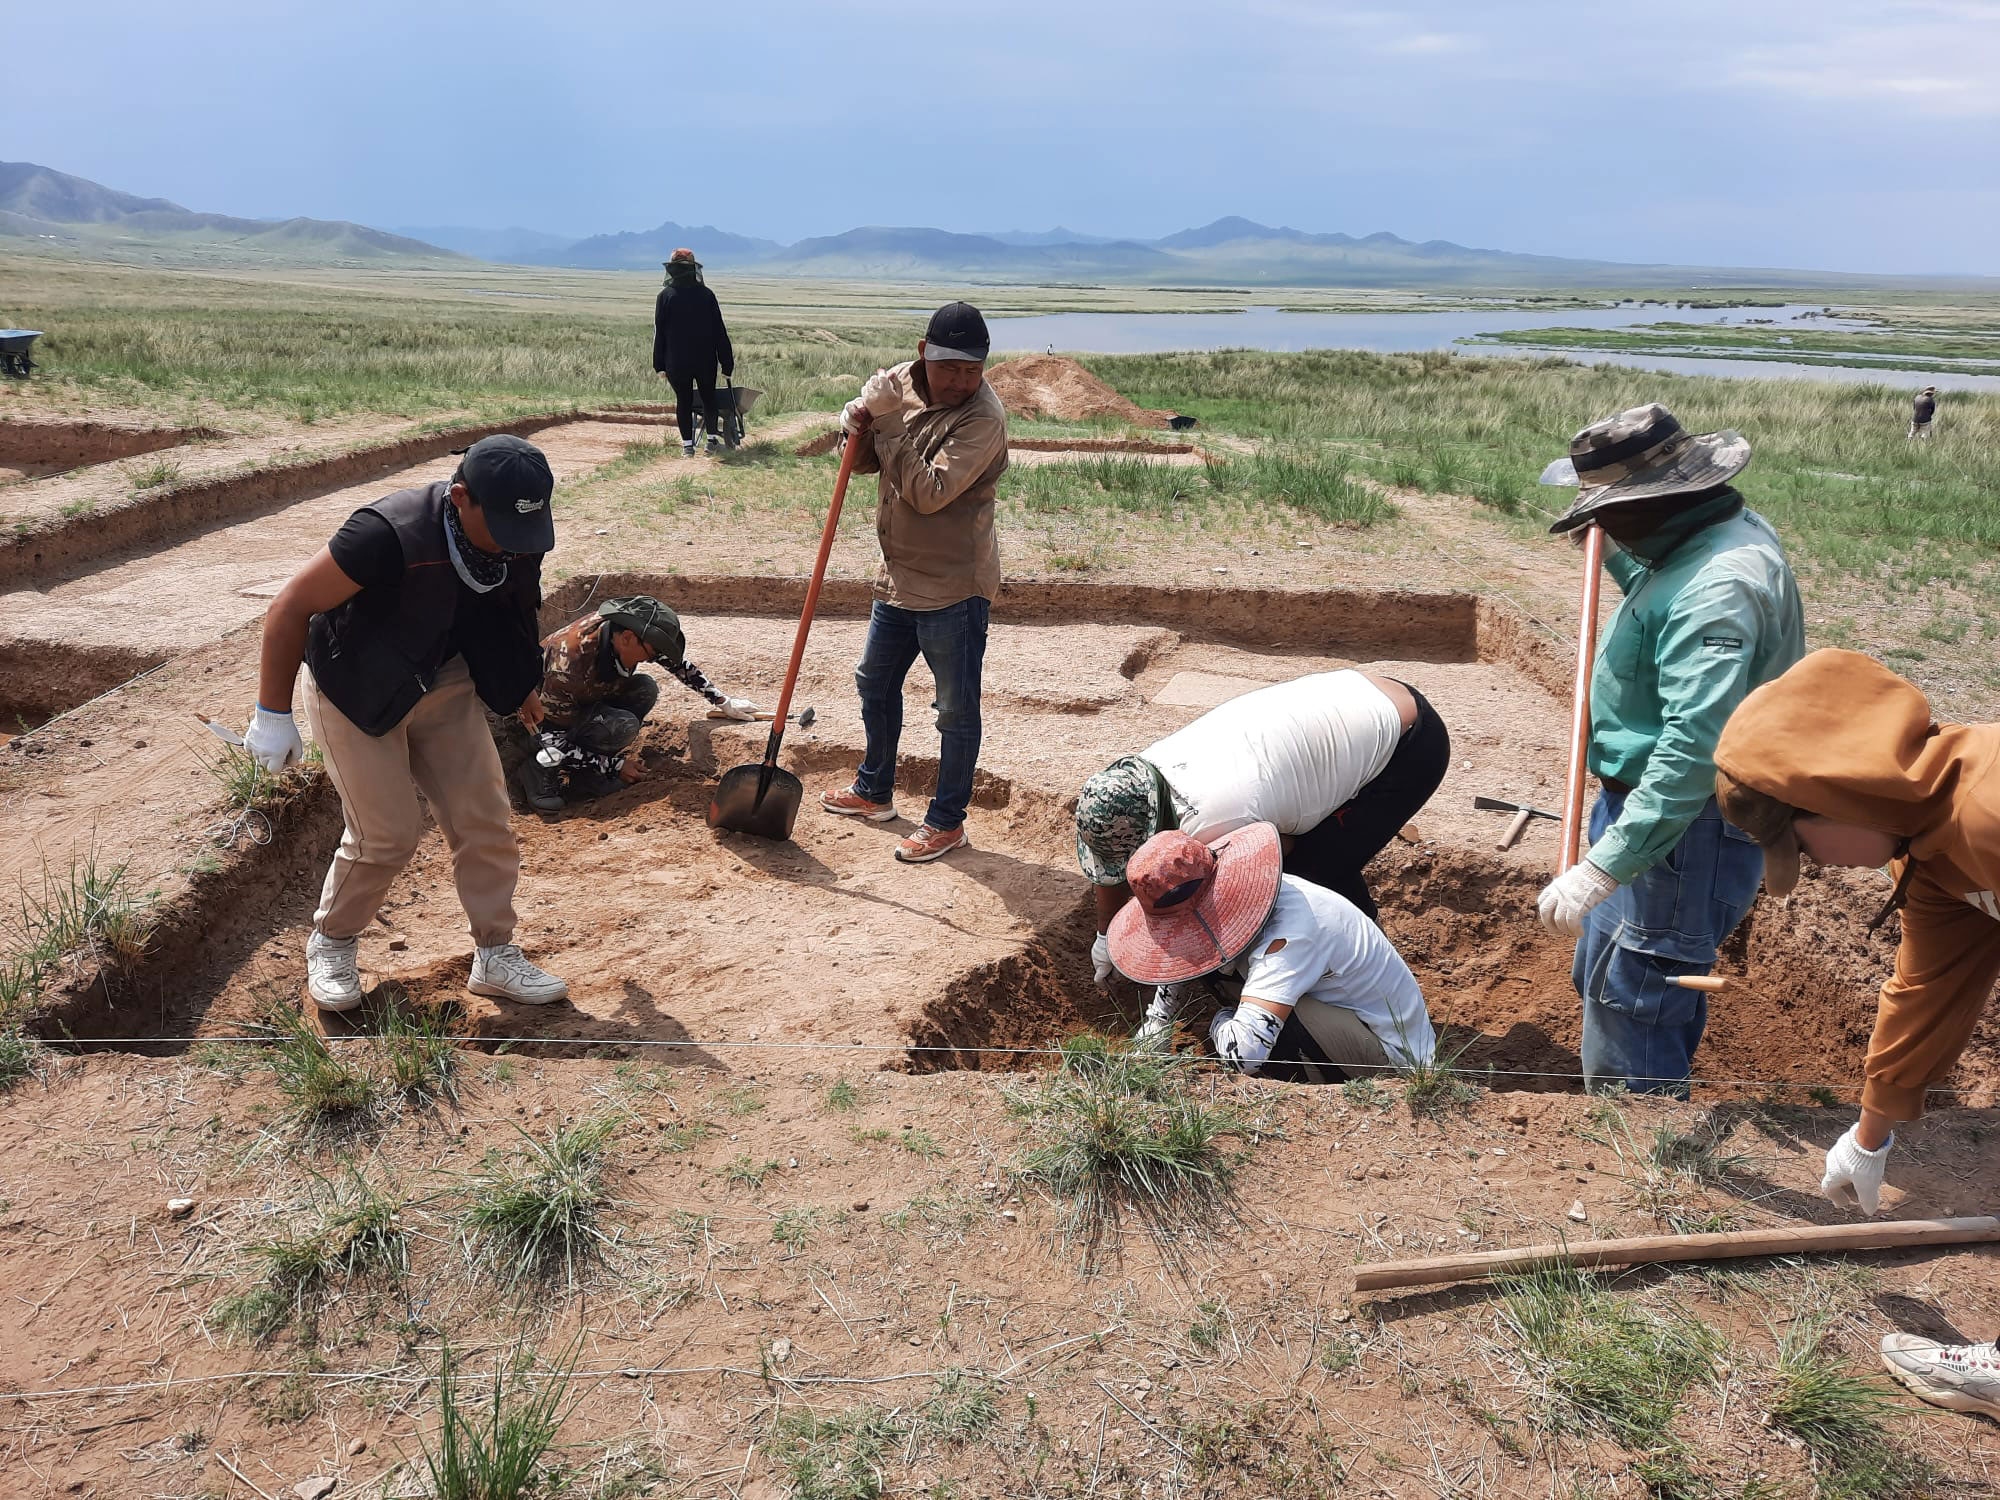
(1061,390)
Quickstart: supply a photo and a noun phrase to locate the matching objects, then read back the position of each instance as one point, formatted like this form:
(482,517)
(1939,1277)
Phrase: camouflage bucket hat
(1117,811)
(1642,454)
(655,624)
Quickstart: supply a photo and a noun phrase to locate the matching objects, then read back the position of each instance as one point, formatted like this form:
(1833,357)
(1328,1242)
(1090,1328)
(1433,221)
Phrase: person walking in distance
(1711,610)
(936,433)
(689,344)
(1922,411)
(421,608)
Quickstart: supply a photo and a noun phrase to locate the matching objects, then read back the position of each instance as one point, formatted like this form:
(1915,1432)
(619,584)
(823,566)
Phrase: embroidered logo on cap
(529,507)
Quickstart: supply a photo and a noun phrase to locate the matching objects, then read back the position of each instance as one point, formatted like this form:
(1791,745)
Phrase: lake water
(1415,332)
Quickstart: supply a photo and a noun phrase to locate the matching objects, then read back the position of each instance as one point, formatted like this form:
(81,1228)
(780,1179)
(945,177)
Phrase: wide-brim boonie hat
(1117,811)
(1195,907)
(1642,454)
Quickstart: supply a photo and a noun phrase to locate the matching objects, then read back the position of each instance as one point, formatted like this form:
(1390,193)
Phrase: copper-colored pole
(1579,724)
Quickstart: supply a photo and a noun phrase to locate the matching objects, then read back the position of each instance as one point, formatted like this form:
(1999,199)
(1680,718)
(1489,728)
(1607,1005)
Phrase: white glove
(1156,1027)
(273,739)
(850,416)
(882,394)
(1244,1037)
(1100,959)
(1854,1173)
(737,708)
(1565,899)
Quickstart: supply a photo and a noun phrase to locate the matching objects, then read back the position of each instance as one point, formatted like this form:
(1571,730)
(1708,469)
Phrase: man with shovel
(1841,760)
(1710,611)
(594,698)
(936,434)
(421,608)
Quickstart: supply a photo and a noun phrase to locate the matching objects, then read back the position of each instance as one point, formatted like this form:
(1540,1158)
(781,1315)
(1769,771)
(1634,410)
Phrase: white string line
(83,1044)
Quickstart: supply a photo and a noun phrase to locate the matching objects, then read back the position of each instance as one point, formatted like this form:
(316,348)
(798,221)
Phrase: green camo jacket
(1695,633)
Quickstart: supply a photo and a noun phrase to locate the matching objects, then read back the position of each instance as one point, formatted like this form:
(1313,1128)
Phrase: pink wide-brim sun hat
(1210,929)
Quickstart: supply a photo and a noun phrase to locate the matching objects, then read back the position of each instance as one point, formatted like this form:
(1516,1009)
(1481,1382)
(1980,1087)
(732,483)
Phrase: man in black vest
(422,605)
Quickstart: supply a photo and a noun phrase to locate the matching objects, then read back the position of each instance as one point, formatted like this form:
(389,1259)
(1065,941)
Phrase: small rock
(1517,1114)
(916,1341)
(1340,1315)
(1008,1216)
(861,1205)
(781,1350)
(1499,1150)
(317,1488)
(602,531)
(138,744)
(398,944)
(358,1447)
(792,1162)
(1212,570)
(1578,1212)
(180,1208)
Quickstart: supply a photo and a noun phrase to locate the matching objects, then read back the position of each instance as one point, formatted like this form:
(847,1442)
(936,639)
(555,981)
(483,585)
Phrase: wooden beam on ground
(1653,1249)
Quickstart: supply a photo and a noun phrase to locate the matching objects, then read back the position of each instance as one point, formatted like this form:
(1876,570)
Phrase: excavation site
(673,933)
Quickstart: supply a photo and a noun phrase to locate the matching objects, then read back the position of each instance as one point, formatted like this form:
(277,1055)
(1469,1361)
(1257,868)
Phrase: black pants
(610,724)
(1334,854)
(684,389)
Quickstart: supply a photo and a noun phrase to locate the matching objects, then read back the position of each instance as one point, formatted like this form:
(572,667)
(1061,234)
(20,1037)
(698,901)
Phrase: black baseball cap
(509,478)
(957,331)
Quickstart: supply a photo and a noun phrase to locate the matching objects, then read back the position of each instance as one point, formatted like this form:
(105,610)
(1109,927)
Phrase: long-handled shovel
(1579,723)
(759,798)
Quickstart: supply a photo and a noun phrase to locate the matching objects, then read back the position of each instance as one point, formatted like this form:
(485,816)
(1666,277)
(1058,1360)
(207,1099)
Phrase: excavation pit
(37,449)
(744,954)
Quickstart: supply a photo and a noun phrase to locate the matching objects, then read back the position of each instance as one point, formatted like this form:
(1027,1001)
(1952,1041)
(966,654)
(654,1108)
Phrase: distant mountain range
(50,207)
(41,203)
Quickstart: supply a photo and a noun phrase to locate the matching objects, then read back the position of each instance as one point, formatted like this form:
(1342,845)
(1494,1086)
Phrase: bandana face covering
(482,571)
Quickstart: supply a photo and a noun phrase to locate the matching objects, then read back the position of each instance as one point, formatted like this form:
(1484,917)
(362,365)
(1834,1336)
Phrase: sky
(1855,135)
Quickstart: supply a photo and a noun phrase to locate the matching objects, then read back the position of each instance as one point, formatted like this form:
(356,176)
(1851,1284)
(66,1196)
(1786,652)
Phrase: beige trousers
(443,747)
(1343,1036)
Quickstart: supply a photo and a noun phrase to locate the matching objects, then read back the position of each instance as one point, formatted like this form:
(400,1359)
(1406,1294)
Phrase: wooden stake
(1653,1249)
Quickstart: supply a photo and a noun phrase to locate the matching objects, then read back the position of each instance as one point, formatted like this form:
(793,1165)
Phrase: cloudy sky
(1846,134)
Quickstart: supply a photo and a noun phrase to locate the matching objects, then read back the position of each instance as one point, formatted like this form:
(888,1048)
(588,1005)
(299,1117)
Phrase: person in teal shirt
(1711,611)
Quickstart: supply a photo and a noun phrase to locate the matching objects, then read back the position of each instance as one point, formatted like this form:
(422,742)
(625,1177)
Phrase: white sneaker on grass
(1962,1377)
(504,973)
(332,977)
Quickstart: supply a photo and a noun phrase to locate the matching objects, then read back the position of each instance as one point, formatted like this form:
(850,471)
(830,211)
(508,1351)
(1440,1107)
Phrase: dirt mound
(1048,385)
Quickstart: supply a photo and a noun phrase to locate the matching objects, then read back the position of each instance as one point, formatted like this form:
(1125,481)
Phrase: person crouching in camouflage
(595,698)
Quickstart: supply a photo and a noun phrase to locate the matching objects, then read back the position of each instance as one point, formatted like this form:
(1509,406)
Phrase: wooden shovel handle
(1579,723)
(784,706)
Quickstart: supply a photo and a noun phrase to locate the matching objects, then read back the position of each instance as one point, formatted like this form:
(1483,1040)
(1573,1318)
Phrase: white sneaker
(1156,1028)
(1963,1377)
(687,448)
(504,973)
(332,978)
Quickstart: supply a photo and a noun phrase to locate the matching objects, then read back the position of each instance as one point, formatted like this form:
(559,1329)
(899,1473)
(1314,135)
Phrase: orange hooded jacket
(1842,736)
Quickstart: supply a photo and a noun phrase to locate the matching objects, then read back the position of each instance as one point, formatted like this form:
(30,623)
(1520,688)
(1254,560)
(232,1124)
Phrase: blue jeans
(953,643)
(1639,1030)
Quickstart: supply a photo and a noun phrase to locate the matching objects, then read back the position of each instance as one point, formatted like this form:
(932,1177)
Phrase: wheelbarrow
(733,403)
(14,346)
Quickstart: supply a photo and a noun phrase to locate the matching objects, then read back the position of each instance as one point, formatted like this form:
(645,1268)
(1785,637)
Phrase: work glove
(882,394)
(273,739)
(851,415)
(1156,1027)
(1102,968)
(737,708)
(1244,1037)
(1854,1173)
(1565,899)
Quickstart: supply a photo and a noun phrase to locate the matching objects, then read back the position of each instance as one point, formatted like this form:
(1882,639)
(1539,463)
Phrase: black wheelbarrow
(732,404)
(14,346)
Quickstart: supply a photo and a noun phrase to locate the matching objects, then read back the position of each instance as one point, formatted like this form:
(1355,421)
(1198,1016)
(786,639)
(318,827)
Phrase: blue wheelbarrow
(14,346)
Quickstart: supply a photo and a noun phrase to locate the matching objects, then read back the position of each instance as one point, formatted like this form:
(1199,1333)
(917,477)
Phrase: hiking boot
(929,843)
(714,443)
(687,447)
(332,978)
(1962,1377)
(851,804)
(504,973)
(1156,1027)
(541,785)
(589,784)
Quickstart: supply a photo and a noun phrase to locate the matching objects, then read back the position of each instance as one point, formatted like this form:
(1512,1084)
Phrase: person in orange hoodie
(1839,759)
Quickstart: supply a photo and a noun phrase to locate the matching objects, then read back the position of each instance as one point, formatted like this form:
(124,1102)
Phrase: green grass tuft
(1844,1419)
(419,1048)
(539,1216)
(1115,1129)
(323,1090)
(497,1454)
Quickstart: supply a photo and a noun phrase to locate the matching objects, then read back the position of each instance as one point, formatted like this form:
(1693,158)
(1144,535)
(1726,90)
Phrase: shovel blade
(756,799)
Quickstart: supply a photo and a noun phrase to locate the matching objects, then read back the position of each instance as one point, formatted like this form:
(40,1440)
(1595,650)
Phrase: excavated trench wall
(39,449)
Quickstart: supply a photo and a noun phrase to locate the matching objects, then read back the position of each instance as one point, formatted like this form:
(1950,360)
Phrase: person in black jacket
(689,342)
(421,606)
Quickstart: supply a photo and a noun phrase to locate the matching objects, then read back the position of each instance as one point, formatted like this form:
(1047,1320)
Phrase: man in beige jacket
(936,433)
